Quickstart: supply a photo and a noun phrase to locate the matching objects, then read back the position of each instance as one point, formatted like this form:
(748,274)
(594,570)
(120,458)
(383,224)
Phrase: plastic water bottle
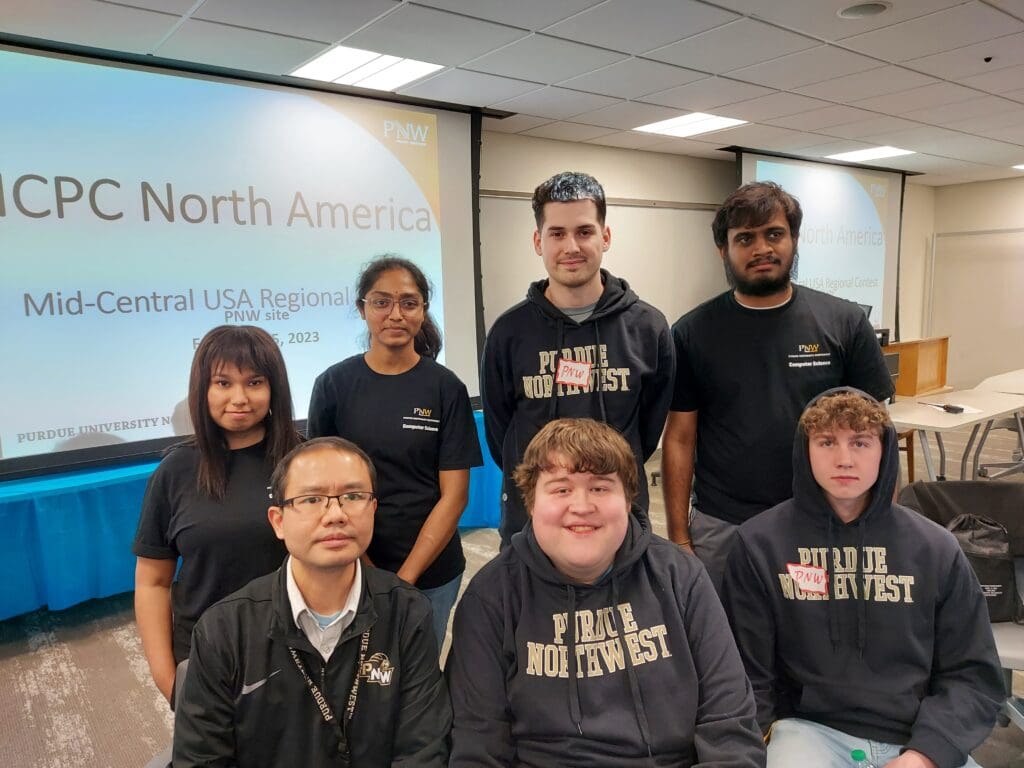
(860,760)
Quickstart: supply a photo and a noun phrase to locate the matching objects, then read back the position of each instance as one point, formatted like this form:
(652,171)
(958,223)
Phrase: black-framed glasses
(384,304)
(352,502)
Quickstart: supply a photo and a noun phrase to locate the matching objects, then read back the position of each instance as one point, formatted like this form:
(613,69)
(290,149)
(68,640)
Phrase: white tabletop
(1012,381)
(908,413)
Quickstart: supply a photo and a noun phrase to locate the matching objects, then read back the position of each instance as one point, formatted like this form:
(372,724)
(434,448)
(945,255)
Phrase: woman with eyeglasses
(207,501)
(412,416)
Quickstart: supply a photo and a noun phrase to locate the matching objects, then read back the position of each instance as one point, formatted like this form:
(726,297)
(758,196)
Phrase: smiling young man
(582,344)
(747,362)
(860,622)
(326,662)
(591,641)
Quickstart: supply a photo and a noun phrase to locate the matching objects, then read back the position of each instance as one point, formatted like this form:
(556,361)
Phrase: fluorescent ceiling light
(367,69)
(875,153)
(1019,167)
(690,125)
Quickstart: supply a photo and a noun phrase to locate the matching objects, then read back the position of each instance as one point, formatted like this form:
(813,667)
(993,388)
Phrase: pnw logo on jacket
(606,640)
(574,371)
(377,670)
(809,578)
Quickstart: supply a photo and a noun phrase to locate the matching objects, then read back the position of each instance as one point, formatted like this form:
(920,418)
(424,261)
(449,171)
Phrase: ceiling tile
(326,20)
(948,115)
(430,35)
(1000,81)
(969,60)
(633,77)
(676,146)
(1012,134)
(513,123)
(1011,117)
(629,140)
(934,95)
(178,7)
(627,115)
(544,59)
(820,18)
(862,85)
(626,25)
(526,14)
(1015,95)
(869,127)
(567,131)
(457,86)
(706,94)
(827,148)
(86,22)
(952,28)
(225,46)
(776,104)
(1013,7)
(805,67)
(753,135)
(732,46)
(817,119)
(556,103)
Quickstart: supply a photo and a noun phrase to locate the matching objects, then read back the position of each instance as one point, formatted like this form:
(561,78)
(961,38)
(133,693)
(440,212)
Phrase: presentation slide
(849,239)
(144,207)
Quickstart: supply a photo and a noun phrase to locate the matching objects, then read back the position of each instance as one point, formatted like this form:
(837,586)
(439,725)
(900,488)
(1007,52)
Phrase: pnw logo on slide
(413,134)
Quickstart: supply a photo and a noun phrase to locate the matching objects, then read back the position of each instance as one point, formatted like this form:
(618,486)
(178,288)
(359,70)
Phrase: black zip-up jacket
(650,678)
(628,344)
(245,703)
(898,648)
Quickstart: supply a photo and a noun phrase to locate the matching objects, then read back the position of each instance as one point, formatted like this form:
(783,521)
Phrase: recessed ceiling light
(864,10)
(690,125)
(875,153)
(1019,167)
(367,69)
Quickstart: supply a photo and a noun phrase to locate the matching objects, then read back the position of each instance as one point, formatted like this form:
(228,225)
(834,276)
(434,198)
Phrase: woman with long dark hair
(413,417)
(207,501)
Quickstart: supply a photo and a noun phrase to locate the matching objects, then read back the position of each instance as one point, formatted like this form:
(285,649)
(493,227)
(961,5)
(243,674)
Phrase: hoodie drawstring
(574,688)
(600,371)
(862,630)
(553,405)
(833,620)
(634,684)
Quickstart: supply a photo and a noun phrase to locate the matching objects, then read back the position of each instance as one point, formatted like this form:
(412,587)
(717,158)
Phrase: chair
(1004,503)
(1012,423)
(908,448)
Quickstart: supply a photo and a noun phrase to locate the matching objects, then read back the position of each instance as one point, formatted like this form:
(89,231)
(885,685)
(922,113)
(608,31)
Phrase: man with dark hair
(747,362)
(861,624)
(325,662)
(582,344)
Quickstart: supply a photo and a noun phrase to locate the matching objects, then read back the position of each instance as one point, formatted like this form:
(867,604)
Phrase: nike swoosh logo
(250,687)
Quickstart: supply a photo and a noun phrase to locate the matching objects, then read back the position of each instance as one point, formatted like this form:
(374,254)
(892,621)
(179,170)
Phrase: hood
(616,297)
(810,500)
(808,494)
(634,545)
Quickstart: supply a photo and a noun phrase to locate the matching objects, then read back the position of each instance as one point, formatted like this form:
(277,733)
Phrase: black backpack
(987,546)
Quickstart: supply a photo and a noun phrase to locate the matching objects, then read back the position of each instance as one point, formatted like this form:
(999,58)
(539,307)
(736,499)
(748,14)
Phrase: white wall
(915,251)
(666,254)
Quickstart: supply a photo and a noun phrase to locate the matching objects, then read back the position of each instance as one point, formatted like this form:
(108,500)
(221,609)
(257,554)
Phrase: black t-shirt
(749,373)
(413,425)
(223,545)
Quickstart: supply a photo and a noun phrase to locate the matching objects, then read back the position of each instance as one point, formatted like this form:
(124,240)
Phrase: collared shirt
(326,639)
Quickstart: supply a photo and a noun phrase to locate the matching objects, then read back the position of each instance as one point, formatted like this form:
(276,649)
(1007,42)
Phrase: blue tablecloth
(67,538)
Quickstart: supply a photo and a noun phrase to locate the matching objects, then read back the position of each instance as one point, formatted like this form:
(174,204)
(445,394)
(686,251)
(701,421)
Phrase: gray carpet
(75,688)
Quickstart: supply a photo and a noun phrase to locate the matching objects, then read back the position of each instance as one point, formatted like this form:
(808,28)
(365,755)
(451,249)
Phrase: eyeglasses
(351,503)
(384,304)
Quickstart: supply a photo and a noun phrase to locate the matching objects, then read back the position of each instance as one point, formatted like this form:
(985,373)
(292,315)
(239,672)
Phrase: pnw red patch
(809,578)
(574,373)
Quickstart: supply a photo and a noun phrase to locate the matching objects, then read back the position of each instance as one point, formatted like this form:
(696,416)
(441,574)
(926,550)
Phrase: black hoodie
(897,649)
(651,678)
(629,346)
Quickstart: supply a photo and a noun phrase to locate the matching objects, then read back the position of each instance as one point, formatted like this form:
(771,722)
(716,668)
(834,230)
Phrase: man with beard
(747,362)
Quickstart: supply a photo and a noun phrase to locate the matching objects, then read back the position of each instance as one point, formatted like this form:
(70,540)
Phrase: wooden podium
(922,365)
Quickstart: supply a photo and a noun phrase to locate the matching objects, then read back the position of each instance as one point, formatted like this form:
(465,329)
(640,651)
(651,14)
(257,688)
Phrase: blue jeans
(442,600)
(797,743)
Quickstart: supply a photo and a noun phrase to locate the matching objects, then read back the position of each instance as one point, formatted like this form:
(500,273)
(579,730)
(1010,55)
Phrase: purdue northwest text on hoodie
(897,648)
(627,364)
(638,669)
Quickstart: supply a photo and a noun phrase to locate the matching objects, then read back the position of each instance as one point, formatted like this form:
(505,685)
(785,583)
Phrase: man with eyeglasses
(325,662)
